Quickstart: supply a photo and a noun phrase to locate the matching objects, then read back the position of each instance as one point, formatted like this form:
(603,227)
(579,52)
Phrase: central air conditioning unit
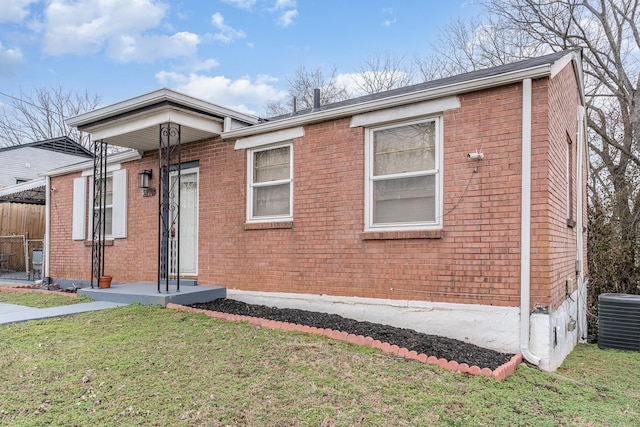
(619,321)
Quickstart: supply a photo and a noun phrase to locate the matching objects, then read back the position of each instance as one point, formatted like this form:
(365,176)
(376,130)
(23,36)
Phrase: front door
(186,225)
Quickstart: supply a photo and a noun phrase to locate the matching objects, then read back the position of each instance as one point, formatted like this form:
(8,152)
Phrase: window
(270,183)
(108,208)
(115,207)
(403,181)
(571,222)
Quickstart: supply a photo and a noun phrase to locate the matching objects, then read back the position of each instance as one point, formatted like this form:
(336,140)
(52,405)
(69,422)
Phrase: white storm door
(187,225)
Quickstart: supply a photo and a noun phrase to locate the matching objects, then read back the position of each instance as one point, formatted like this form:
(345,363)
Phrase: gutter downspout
(525,247)
(47,229)
(581,137)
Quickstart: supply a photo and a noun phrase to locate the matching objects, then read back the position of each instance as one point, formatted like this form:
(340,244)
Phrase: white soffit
(269,138)
(141,131)
(406,111)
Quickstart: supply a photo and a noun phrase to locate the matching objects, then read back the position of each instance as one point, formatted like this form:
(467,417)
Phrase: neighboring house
(22,189)
(450,207)
(22,163)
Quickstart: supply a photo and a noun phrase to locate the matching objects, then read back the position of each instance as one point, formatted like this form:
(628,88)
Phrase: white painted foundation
(554,347)
(496,328)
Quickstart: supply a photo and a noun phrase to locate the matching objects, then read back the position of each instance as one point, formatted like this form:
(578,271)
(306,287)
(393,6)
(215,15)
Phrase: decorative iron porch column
(169,205)
(98,210)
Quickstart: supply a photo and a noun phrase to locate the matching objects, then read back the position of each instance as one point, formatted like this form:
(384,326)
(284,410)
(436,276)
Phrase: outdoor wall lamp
(143,178)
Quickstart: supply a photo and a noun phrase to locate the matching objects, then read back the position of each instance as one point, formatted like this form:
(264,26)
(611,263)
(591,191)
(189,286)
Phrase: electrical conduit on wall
(525,247)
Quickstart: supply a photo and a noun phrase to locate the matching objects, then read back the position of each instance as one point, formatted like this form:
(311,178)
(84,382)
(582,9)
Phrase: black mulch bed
(431,345)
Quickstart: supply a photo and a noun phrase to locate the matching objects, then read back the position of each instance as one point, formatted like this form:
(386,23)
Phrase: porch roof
(32,192)
(134,123)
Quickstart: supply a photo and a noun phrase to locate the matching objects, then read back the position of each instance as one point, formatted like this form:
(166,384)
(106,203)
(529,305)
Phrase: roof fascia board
(575,59)
(154,118)
(154,98)
(126,156)
(423,95)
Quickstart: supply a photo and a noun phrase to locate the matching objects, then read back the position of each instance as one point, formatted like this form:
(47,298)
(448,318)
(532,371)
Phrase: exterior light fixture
(143,178)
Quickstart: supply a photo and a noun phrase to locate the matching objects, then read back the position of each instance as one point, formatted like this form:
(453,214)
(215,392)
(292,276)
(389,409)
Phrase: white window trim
(119,215)
(406,112)
(110,168)
(369,179)
(263,140)
(250,185)
(568,178)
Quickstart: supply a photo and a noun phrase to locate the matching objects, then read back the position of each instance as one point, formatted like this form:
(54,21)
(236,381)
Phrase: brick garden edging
(499,374)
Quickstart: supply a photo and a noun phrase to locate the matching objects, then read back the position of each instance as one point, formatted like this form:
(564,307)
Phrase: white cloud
(206,65)
(242,4)
(350,82)
(227,34)
(284,4)
(389,22)
(86,27)
(149,48)
(354,82)
(287,12)
(10,61)
(244,94)
(14,10)
(286,18)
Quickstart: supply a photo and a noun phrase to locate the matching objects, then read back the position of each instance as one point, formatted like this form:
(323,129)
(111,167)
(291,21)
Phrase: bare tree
(607,32)
(379,73)
(41,115)
(301,87)
(469,45)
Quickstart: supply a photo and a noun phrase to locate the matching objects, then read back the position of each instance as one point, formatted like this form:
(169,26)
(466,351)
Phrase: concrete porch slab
(147,294)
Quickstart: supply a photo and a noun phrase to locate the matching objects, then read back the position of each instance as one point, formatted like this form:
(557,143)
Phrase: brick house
(450,207)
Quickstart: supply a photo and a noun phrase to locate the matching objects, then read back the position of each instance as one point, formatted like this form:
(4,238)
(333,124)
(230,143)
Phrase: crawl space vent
(619,321)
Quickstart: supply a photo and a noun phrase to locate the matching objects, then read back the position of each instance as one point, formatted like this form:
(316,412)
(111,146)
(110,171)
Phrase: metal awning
(31,192)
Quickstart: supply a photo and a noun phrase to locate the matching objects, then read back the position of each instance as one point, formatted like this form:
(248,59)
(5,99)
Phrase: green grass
(140,365)
(41,300)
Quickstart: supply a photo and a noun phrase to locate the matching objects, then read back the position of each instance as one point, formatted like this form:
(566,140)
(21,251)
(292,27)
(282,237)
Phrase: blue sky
(235,53)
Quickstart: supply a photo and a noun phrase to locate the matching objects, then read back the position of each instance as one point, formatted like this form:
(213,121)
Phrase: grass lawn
(140,365)
(41,300)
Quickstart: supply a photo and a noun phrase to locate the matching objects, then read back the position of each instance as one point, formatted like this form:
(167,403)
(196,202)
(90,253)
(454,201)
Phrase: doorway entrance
(186,226)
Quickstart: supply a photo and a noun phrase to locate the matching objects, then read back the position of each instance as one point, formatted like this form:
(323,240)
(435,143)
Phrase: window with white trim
(270,180)
(571,221)
(108,208)
(403,176)
(115,207)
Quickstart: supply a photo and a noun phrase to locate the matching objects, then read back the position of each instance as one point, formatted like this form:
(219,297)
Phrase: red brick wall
(563,111)
(131,259)
(68,259)
(475,260)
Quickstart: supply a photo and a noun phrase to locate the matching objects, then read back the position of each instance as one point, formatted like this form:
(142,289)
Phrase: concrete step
(147,294)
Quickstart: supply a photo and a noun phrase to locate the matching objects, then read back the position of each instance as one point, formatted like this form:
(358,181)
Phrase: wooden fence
(21,231)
